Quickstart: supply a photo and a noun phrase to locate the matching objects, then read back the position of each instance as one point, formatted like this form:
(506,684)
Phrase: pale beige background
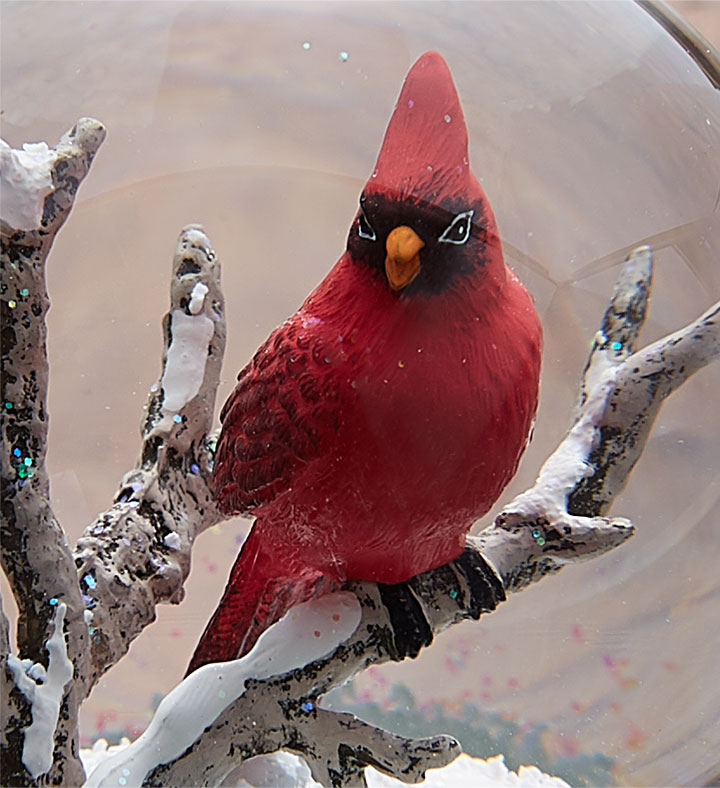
(704,15)
(591,131)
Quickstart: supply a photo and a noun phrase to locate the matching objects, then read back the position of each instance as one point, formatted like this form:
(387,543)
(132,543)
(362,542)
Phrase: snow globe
(593,129)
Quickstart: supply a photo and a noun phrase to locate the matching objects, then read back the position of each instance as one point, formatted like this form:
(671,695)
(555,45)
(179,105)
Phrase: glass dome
(591,130)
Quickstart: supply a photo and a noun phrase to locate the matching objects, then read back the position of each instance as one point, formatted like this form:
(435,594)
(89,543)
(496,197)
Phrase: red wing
(283,410)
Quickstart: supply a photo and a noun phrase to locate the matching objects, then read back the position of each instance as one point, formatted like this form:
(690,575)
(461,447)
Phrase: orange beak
(402,263)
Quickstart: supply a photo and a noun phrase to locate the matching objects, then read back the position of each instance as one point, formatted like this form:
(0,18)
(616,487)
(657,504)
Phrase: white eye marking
(458,231)
(365,229)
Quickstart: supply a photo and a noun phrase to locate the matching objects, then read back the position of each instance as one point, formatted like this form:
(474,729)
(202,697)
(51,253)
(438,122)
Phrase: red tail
(258,593)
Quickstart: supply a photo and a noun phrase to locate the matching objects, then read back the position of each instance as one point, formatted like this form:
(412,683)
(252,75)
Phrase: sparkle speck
(8,406)
(411,103)
(541,541)
(306,45)
(122,781)
(90,581)
(616,345)
(12,304)
(343,56)
(453,594)
(24,292)
(221,693)
(17,452)
(53,601)
(401,364)
(195,468)
(307,706)
(27,461)
(126,772)
(536,533)
(177,418)
(447,119)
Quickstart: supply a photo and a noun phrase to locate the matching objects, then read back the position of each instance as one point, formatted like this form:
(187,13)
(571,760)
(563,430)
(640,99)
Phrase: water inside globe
(591,130)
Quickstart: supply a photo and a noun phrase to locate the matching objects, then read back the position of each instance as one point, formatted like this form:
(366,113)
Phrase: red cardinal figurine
(387,414)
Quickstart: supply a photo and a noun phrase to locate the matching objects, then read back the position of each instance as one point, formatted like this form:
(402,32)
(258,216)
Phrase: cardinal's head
(424,219)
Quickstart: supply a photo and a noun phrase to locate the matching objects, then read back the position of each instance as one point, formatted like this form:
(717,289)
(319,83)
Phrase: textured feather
(277,416)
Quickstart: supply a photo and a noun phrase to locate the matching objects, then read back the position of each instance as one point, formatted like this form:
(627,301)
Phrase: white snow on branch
(476,772)
(567,466)
(173,541)
(25,182)
(291,771)
(314,629)
(186,357)
(44,691)
(100,751)
(197,297)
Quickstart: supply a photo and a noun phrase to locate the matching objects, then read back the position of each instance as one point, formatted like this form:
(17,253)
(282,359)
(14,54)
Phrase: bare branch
(137,553)
(623,319)
(559,520)
(35,554)
(7,684)
(639,386)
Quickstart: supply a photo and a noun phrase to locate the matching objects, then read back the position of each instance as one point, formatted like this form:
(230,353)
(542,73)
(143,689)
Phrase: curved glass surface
(592,131)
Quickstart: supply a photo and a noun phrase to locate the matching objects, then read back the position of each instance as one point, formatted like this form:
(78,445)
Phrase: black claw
(411,630)
(486,589)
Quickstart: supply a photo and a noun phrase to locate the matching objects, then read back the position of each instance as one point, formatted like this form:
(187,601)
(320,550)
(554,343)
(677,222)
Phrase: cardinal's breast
(420,431)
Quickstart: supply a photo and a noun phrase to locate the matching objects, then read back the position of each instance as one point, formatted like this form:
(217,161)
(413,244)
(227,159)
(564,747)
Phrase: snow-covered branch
(39,187)
(269,699)
(137,553)
(44,690)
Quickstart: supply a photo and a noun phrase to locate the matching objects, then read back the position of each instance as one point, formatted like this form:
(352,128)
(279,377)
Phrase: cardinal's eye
(458,231)
(365,229)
